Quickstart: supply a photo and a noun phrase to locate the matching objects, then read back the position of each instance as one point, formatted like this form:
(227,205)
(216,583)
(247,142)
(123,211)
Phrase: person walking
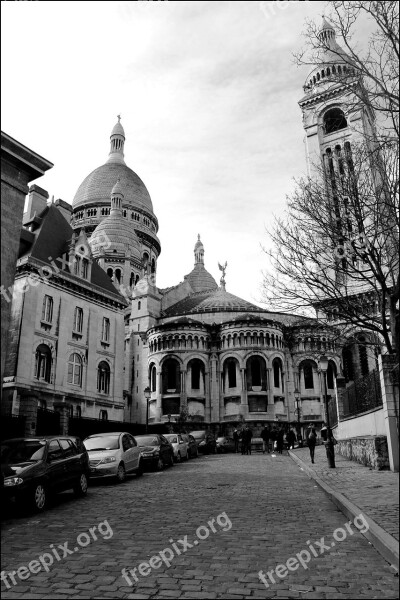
(242,438)
(280,440)
(273,435)
(236,440)
(290,438)
(265,435)
(311,440)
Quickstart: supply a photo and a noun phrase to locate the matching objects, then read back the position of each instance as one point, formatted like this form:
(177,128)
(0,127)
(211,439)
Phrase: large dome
(97,186)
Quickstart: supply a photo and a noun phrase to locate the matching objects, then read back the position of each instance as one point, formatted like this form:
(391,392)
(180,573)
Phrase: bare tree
(376,65)
(337,249)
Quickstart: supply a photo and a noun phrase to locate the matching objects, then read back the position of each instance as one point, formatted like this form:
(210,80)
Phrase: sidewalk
(357,489)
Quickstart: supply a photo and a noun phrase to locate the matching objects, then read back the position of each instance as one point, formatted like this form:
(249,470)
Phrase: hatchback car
(179,446)
(113,455)
(156,451)
(205,441)
(35,467)
(191,445)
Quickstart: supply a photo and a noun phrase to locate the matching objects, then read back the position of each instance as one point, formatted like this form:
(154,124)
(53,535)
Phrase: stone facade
(371,451)
(19,166)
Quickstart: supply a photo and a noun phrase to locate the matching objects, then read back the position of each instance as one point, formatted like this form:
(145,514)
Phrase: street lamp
(330,450)
(147,395)
(298,410)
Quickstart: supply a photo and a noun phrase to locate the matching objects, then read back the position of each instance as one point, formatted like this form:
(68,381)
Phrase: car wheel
(39,497)
(81,487)
(160,464)
(140,469)
(121,473)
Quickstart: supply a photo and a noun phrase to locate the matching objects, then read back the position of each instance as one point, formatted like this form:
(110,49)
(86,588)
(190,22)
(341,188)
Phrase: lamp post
(330,450)
(147,395)
(298,411)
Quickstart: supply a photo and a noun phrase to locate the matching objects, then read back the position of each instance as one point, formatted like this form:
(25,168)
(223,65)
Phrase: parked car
(156,451)
(113,455)
(205,441)
(35,467)
(225,444)
(179,446)
(191,444)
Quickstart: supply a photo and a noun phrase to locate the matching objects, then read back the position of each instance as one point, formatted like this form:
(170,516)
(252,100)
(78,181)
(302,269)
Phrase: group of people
(273,439)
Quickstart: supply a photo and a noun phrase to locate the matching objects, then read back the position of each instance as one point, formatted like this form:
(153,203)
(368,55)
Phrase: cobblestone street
(273,508)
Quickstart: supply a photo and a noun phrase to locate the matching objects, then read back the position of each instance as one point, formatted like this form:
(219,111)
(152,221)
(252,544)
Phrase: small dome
(199,243)
(118,129)
(114,235)
(212,301)
(200,279)
(117,189)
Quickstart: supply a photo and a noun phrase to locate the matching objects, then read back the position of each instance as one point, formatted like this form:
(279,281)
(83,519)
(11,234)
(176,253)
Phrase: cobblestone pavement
(273,509)
(375,492)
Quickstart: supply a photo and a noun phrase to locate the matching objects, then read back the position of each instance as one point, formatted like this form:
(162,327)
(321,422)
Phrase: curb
(384,543)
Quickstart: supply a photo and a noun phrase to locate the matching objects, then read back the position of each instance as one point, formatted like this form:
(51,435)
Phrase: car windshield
(22,451)
(198,434)
(102,442)
(147,440)
(172,438)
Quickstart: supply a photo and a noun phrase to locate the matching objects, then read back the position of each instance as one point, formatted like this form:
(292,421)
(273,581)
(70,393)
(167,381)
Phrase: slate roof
(210,301)
(200,279)
(52,237)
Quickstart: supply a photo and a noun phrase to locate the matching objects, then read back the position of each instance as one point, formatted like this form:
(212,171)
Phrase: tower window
(78,320)
(105,332)
(334,120)
(47,310)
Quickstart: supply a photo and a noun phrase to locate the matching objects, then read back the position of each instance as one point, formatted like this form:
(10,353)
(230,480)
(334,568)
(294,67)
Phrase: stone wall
(371,451)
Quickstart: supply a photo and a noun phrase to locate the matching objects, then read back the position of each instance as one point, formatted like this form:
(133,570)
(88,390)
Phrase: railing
(362,395)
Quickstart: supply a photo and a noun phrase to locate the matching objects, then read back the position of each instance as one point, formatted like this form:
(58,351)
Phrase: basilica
(97,338)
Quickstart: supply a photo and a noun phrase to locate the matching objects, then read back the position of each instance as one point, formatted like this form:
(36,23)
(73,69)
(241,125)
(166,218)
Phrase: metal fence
(362,395)
(47,422)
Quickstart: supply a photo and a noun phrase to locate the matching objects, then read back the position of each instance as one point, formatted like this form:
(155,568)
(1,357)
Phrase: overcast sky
(208,95)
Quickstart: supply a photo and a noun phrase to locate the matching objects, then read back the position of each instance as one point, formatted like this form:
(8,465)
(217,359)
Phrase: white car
(113,455)
(179,445)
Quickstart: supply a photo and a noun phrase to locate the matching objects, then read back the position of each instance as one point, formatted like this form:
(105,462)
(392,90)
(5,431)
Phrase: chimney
(64,208)
(37,202)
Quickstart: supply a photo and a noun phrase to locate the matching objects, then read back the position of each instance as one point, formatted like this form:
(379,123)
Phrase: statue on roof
(223,269)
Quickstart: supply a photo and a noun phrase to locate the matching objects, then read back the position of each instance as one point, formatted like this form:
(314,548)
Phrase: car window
(55,452)
(132,441)
(67,448)
(126,444)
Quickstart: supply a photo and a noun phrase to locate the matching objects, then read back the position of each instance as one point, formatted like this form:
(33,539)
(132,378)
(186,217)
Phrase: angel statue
(223,269)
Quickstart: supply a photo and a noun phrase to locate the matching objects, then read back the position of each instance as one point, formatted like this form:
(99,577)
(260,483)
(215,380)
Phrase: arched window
(110,273)
(362,350)
(74,375)
(256,373)
(348,363)
(277,368)
(153,378)
(78,320)
(196,370)
(43,363)
(85,268)
(103,378)
(103,415)
(105,331)
(132,280)
(307,368)
(136,279)
(232,373)
(171,376)
(153,266)
(334,120)
(118,275)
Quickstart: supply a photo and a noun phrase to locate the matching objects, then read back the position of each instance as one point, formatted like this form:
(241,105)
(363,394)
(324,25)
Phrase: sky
(208,93)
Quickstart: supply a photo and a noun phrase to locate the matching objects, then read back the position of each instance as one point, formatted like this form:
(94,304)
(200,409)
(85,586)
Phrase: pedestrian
(236,439)
(273,435)
(311,440)
(299,439)
(279,440)
(290,438)
(242,438)
(248,442)
(265,435)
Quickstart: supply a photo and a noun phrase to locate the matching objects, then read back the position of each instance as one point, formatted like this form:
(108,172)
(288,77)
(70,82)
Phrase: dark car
(35,467)
(191,445)
(205,441)
(156,451)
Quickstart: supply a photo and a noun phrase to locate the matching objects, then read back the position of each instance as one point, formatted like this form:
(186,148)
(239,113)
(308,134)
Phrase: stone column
(214,389)
(183,391)
(390,397)
(243,395)
(340,390)
(28,409)
(63,409)
(207,394)
(159,396)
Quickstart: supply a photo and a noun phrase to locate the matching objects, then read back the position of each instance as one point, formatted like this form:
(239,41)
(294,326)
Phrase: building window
(105,331)
(85,268)
(334,120)
(331,376)
(47,310)
(308,376)
(78,412)
(231,374)
(153,378)
(78,319)
(75,370)
(103,378)
(43,363)
(195,376)
(103,415)
(277,374)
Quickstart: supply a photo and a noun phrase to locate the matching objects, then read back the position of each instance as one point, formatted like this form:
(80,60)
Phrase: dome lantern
(116,198)
(117,141)
(199,252)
